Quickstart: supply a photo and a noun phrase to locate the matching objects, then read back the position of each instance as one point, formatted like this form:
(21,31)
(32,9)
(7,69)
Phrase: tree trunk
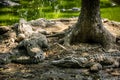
(89,27)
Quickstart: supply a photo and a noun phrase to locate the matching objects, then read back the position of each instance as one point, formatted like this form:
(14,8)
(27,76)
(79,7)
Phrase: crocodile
(96,60)
(31,45)
(31,42)
(34,46)
(28,51)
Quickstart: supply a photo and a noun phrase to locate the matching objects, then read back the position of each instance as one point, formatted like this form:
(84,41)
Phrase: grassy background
(46,9)
(110,12)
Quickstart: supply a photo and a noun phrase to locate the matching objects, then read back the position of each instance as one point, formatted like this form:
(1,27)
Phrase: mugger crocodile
(28,51)
(94,62)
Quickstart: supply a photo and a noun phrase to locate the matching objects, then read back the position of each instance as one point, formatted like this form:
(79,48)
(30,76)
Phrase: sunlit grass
(32,10)
(5,9)
(8,19)
(60,15)
(112,13)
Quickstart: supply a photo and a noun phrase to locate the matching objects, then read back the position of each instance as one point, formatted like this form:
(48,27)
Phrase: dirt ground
(46,71)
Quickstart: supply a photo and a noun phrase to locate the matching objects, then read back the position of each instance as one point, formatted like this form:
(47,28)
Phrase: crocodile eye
(29,45)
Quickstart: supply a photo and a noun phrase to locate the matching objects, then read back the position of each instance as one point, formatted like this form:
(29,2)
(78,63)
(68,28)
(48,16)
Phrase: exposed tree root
(61,34)
(66,49)
(89,27)
(106,39)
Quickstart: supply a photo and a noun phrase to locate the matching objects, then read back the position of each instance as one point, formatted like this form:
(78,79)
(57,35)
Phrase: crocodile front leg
(34,54)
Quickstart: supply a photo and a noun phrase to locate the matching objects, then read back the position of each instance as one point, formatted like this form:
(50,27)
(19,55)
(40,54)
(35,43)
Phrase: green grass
(60,15)
(8,19)
(33,10)
(112,13)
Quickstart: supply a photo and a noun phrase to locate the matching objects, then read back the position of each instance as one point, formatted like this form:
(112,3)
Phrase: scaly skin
(112,59)
(31,48)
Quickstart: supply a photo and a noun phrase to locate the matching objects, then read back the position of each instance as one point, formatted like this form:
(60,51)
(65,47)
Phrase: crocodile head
(34,51)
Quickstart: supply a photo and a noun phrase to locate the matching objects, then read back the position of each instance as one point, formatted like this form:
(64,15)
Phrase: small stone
(105,20)
(12,40)
(116,64)
(85,54)
(96,67)
(20,37)
(115,73)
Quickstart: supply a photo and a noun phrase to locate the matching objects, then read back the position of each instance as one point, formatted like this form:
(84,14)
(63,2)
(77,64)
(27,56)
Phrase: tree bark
(89,26)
